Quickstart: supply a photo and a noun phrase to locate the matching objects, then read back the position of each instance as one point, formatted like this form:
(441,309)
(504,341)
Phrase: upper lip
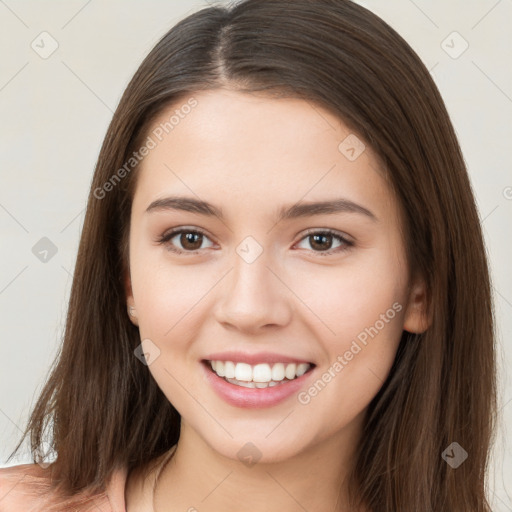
(253,359)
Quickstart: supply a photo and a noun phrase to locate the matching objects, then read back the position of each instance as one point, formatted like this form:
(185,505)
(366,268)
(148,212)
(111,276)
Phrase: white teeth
(278,371)
(289,373)
(261,373)
(241,383)
(243,371)
(259,385)
(229,370)
(221,369)
(302,369)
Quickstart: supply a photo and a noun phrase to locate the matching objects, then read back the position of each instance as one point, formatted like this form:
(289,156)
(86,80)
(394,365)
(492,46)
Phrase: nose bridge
(250,273)
(253,296)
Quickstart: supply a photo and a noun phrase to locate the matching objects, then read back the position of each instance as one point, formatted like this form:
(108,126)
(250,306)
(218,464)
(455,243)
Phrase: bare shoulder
(20,487)
(27,487)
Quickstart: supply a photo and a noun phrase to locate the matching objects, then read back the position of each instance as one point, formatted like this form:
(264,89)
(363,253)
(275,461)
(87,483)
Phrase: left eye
(323,241)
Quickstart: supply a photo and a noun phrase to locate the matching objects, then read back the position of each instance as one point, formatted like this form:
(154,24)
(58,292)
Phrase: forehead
(229,118)
(257,148)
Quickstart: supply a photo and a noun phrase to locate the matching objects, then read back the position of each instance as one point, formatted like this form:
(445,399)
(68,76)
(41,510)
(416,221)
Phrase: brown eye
(183,240)
(191,241)
(322,242)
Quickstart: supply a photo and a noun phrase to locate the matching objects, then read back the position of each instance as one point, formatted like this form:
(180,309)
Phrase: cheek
(361,309)
(365,313)
(352,297)
(168,300)
(363,303)
(168,296)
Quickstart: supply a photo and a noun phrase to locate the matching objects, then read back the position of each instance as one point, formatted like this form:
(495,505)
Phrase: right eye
(190,240)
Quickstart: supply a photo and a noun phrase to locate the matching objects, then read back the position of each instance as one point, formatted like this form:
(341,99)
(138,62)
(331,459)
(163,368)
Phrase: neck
(199,479)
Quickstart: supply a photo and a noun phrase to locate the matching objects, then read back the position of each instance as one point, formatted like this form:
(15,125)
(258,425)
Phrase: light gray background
(55,111)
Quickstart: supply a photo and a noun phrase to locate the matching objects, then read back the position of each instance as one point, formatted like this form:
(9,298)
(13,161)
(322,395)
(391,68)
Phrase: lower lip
(240,396)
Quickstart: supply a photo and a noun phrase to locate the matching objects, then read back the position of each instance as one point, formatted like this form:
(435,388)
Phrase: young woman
(281,299)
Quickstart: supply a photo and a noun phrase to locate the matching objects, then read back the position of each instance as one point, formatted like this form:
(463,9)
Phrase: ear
(417,318)
(130,303)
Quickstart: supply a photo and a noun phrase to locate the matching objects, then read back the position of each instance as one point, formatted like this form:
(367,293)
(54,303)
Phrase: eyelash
(347,244)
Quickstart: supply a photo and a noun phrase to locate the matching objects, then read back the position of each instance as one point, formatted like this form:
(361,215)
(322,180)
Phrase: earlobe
(132,313)
(130,304)
(417,319)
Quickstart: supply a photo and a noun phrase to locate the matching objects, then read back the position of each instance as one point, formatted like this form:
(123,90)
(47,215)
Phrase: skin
(250,155)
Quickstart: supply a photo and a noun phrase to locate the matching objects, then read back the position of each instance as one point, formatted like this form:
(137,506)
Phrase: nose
(253,296)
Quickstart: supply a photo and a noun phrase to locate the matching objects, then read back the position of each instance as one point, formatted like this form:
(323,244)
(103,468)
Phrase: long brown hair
(101,406)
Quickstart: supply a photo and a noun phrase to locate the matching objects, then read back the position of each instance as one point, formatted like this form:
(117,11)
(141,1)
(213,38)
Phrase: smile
(256,386)
(259,376)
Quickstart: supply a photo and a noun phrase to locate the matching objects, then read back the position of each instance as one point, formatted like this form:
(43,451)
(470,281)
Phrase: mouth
(258,376)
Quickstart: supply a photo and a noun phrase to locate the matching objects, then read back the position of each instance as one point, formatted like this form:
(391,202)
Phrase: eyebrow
(299,210)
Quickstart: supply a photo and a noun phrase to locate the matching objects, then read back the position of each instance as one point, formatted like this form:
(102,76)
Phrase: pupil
(323,237)
(189,238)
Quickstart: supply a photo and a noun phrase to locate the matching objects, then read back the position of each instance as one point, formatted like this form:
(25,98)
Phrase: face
(325,285)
